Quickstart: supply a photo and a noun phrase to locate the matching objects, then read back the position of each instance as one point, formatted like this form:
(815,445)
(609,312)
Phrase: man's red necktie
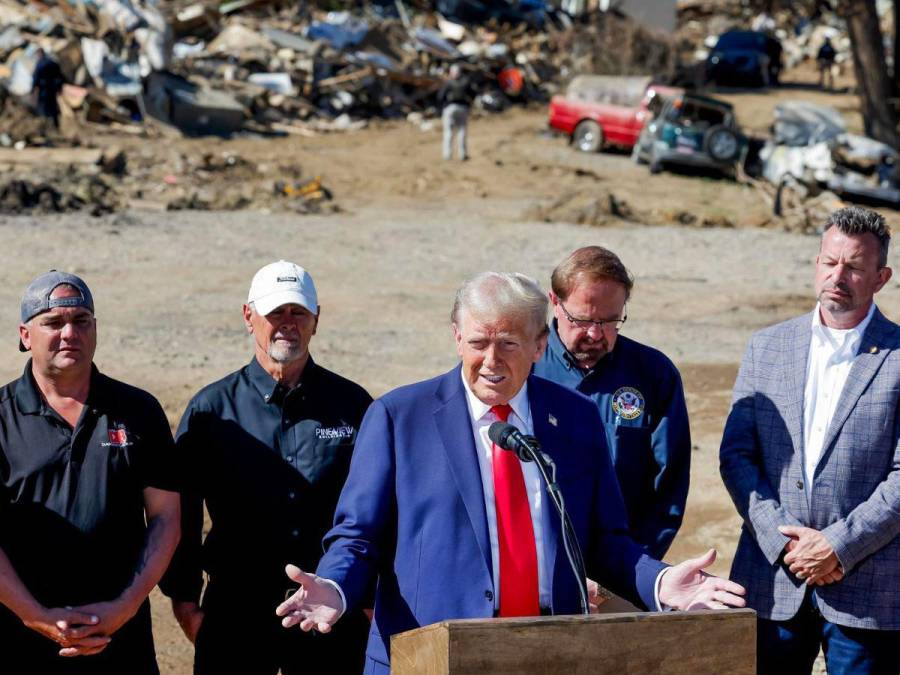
(515,532)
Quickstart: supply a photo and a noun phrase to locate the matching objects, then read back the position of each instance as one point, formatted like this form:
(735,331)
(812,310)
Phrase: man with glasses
(637,389)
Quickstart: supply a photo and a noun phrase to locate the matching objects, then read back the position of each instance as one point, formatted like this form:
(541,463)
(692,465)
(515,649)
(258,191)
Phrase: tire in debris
(588,136)
(721,143)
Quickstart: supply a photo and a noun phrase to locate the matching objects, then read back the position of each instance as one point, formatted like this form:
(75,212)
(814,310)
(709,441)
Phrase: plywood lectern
(657,643)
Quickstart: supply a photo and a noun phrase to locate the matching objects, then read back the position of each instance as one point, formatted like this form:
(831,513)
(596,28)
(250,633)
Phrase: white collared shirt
(831,355)
(481,418)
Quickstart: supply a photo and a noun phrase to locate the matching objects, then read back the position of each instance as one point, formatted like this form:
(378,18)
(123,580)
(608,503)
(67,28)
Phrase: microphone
(506,436)
(528,449)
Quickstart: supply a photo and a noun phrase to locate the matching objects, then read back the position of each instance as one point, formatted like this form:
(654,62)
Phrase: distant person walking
(456,97)
(825,60)
(47,82)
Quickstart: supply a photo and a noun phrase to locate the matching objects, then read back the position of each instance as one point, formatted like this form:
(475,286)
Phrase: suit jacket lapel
(871,354)
(546,433)
(455,429)
(797,355)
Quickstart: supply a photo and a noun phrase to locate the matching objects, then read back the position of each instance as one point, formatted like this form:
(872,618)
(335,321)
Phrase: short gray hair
(855,220)
(502,294)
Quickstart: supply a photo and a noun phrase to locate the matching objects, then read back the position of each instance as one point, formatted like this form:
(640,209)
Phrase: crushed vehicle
(692,131)
(811,151)
(745,58)
(532,13)
(603,110)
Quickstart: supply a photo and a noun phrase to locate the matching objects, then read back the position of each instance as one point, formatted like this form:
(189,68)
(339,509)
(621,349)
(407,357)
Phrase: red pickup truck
(598,110)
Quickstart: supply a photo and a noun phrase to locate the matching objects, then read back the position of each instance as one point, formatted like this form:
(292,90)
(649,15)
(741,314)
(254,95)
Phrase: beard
(587,355)
(284,353)
(846,303)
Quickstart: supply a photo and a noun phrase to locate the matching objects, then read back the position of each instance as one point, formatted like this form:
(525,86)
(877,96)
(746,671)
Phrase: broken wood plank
(41,156)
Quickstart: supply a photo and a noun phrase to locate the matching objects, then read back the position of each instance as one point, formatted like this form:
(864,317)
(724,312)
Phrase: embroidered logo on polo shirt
(628,403)
(334,432)
(118,437)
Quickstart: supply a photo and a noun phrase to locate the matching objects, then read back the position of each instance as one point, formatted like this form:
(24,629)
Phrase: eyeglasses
(585,324)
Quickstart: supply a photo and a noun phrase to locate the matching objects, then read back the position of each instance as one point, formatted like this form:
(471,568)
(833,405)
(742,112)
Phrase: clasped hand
(81,631)
(810,557)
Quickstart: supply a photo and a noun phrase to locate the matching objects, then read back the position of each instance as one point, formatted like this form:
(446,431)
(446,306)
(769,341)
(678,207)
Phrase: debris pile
(291,68)
(82,179)
(700,22)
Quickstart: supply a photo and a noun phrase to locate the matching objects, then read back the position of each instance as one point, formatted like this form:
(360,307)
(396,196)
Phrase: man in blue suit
(450,526)
(811,457)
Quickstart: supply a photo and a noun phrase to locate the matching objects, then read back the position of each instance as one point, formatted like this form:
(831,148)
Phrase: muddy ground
(169,286)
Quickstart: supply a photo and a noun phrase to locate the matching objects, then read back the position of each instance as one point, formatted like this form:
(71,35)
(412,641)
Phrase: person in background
(89,508)
(825,61)
(456,98)
(811,457)
(267,449)
(636,388)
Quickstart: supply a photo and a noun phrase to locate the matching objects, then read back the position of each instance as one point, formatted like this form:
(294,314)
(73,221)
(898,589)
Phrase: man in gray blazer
(810,455)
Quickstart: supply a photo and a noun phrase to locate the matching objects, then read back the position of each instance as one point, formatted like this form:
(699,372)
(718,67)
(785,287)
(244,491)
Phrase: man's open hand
(687,586)
(316,605)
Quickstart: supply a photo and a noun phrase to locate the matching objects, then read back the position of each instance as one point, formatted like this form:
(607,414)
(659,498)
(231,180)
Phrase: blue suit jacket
(855,496)
(412,511)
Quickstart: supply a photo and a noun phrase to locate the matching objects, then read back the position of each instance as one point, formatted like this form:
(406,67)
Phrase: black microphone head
(499,433)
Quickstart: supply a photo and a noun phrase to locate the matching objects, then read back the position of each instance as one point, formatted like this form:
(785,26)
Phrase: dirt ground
(169,286)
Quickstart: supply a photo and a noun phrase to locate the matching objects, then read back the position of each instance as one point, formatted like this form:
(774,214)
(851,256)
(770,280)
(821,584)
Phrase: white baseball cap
(282,283)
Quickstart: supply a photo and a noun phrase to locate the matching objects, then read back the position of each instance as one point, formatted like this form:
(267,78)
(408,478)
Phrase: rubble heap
(801,27)
(277,67)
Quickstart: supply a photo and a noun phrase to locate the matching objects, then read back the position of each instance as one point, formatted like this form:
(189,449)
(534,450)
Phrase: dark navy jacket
(641,400)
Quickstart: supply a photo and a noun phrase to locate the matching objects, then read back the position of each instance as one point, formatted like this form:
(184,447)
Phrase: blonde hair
(502,294)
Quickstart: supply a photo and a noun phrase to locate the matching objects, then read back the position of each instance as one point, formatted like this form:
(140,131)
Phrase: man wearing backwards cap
(267,448)
(89,516)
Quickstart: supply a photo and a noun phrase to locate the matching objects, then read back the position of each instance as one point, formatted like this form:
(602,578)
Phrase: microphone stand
(547,467)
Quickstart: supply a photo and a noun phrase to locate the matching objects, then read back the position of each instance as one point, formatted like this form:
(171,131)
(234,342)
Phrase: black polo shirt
(71,500)
(270,464)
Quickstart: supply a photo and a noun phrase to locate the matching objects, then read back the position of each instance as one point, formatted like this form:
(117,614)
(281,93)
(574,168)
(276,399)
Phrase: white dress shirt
(831,355)
(481,417)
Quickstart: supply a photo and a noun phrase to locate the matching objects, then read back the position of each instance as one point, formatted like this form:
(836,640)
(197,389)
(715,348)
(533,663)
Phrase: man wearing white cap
(267,448)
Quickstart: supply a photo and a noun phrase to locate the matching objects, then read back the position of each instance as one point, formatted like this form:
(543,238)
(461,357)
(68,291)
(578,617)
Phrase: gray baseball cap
(36,299)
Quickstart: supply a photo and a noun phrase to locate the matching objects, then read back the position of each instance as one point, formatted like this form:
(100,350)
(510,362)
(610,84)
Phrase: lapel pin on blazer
(552,420)
(873,349)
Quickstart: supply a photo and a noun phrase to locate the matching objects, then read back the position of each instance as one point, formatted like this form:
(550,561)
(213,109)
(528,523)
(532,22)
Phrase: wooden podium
(652,643)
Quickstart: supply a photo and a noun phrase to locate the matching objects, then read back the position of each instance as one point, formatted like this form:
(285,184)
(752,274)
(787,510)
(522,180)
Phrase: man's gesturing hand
(687,586)
(808,553)
(315,606)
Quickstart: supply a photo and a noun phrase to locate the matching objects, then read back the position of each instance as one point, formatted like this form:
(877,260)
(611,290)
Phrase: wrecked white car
(811,151)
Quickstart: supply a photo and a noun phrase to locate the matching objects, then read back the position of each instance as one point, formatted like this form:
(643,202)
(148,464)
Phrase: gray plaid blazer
(855,498)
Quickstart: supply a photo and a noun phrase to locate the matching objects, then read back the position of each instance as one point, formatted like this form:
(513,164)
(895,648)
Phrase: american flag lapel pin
(552,420)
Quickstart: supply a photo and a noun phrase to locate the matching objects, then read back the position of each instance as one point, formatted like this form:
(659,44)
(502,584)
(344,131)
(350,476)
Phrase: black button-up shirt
(270,464)
(71,500)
